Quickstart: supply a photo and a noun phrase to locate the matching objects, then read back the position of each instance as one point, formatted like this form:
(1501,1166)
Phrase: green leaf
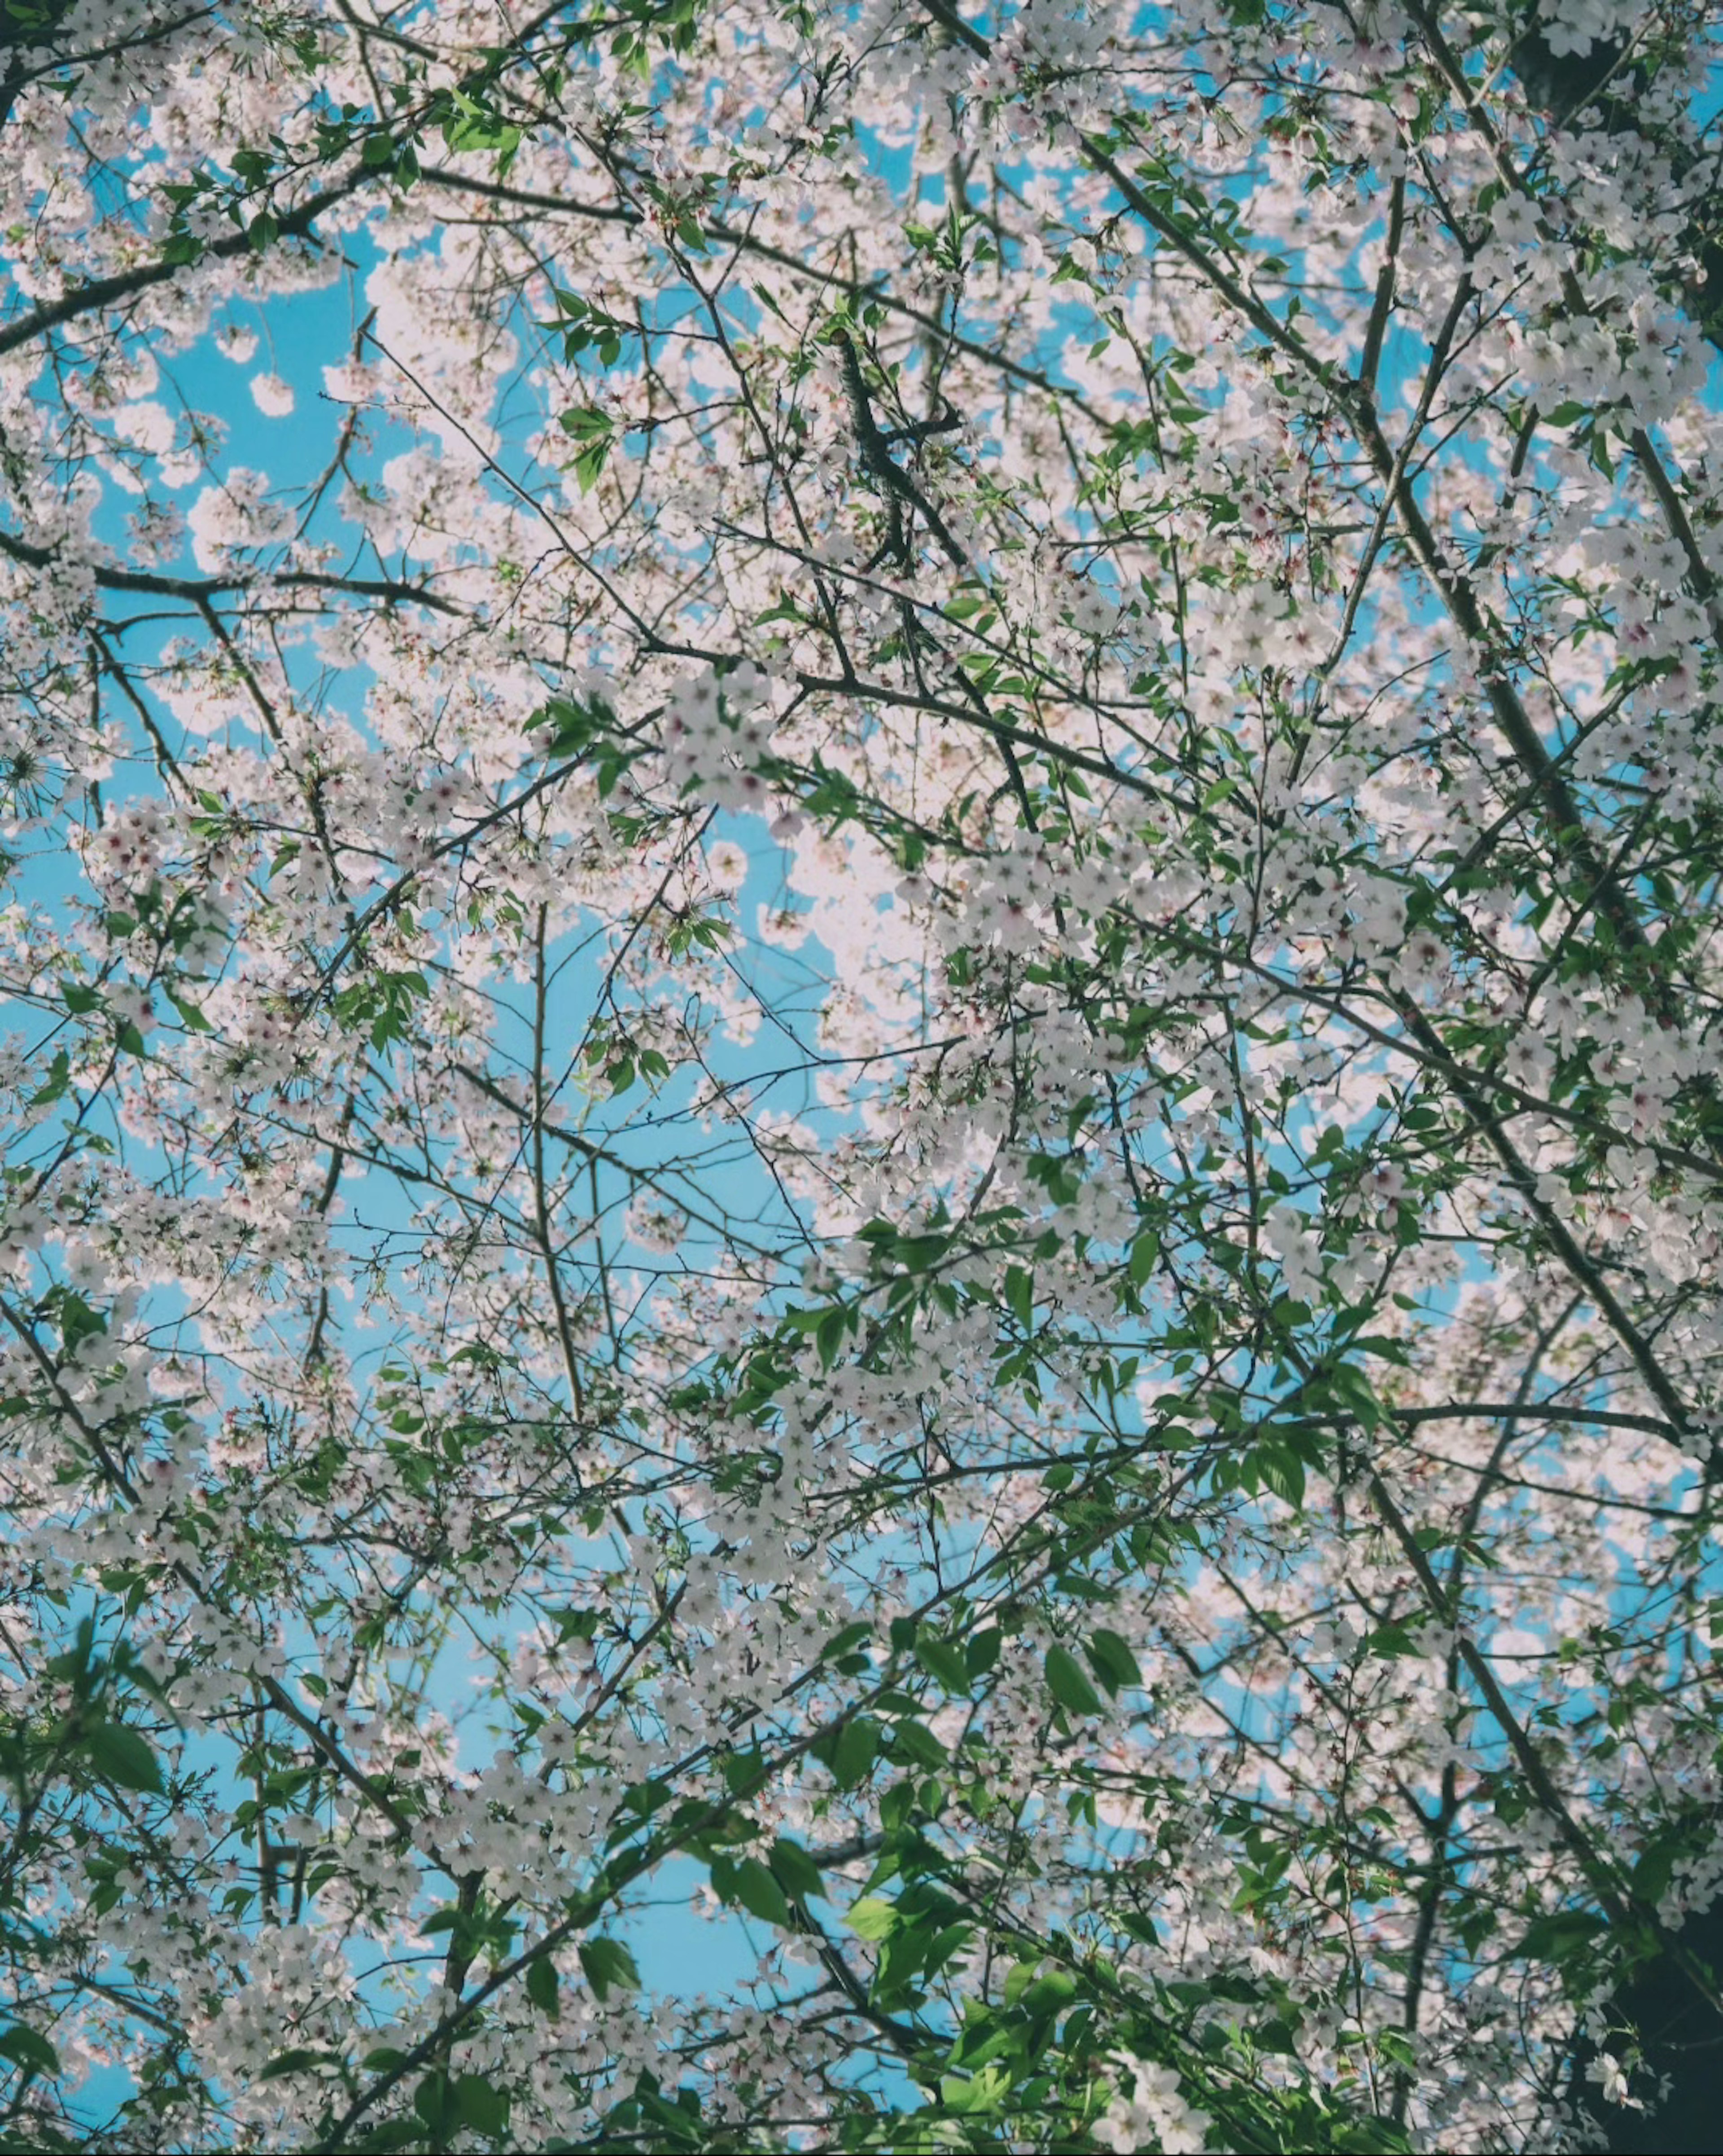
(595,433)
(849,1637)
(586,423)
(78,999)
(1115,1664)
(1067,1683)
(944,1662)
(1390,1350)
(1048,1994)
(57,1081)
(478,2102)
(430,2100)
(122,1756)
(298,2061)
(542,1986)
(759,1893)
(914,1741)
(828,1334)
(1017,1980)
(29,2049)
(857,1748)
(1144,1256)
(1282,1471)
(590,463)
(190,1017)
(1600,453)
(1347,1385)
(795,1870)
(873,1917)
(78,1321)
(1557,1936)
(609,1964)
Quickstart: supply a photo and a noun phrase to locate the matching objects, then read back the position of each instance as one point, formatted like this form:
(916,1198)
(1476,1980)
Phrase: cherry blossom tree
(860,1071)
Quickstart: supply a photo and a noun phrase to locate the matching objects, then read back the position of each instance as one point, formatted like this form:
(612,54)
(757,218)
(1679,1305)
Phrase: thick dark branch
(101,292)
(200,589)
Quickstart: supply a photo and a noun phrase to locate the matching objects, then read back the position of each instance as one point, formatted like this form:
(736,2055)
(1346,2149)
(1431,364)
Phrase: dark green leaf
(759,1893)
(1282,1471)
(122,1756)
(56,1083)
(298,2061)
(430,2100)
(1115,1664)
(857,1748)
(1557,1936)
(190,1017)
(542,1986)
(29,2049)
(477,2102)
(1067,1683)
(943,1662)
(914,1741)
(608,1963)
(982,1651)
(795,1870)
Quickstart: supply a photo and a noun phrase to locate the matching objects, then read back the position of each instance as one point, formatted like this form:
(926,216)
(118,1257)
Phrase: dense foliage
(860,1071)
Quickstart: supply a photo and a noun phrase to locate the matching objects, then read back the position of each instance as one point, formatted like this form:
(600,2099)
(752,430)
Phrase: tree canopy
(860,1256)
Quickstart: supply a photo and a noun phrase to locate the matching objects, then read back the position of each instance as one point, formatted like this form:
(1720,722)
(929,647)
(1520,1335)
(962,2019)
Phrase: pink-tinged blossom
(757,1126)
(272,396)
